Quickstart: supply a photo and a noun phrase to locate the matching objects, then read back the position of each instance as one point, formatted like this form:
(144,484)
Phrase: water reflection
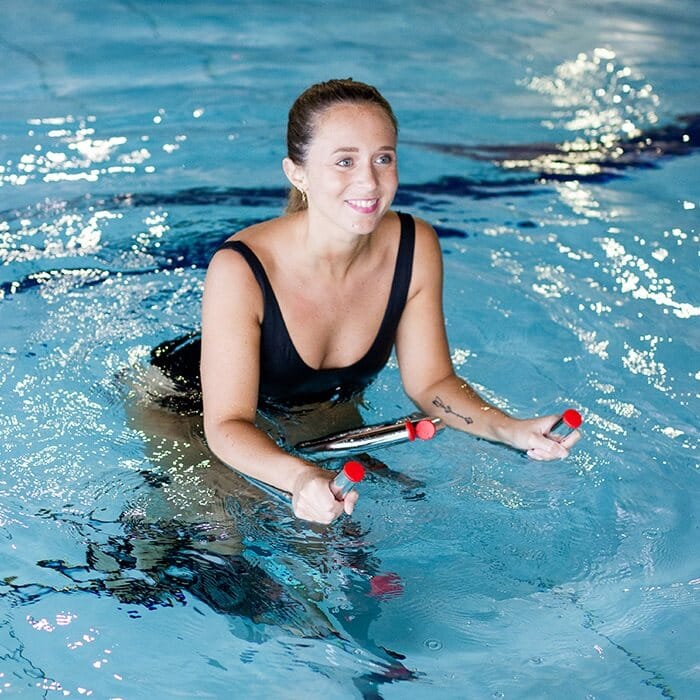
(614,114)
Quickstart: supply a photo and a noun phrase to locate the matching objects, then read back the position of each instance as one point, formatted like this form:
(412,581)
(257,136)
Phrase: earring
(303,197)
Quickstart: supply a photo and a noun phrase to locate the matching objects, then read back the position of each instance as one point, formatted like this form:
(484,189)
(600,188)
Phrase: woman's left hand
(531,436)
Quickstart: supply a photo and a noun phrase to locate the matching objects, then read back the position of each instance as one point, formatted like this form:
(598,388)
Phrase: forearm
(458,405)
(245,448)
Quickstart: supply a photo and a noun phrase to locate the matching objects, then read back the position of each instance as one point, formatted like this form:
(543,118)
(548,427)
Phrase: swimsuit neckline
(377,338)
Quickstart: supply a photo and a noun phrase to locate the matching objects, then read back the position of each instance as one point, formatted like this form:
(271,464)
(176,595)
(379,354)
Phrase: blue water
(135,136)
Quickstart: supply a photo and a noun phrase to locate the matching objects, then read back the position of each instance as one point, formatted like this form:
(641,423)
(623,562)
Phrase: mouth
(363,206)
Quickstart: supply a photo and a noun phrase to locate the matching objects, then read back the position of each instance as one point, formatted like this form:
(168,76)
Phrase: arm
(428,375)
(232,309)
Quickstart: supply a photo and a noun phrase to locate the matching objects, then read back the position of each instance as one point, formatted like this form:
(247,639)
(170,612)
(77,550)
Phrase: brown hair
(310,105)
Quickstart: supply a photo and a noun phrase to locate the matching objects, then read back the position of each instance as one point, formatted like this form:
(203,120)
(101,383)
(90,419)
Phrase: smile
(364,206)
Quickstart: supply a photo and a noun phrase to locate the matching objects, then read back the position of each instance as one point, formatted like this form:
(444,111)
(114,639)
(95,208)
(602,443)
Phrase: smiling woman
(352,186)
(311,106)
(307,307)
(349,177)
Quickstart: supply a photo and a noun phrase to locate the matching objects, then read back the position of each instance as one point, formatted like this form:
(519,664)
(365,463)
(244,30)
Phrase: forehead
(358,122)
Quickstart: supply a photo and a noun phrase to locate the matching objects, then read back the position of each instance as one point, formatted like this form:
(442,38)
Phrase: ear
(295,173)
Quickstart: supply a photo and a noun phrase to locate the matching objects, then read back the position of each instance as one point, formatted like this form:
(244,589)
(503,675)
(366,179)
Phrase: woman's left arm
(429,378)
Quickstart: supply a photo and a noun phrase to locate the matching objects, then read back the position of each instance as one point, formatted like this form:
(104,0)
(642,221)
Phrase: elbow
(423,394)
(423,399)
(416,395)
(213,437)
(221,435)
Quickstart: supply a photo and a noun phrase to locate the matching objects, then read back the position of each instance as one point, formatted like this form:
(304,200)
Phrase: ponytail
(296,201)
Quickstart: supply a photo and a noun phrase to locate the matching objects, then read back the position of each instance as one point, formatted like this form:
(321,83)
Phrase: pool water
(135,136)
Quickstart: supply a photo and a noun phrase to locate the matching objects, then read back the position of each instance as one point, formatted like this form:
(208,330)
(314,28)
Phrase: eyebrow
(351,149)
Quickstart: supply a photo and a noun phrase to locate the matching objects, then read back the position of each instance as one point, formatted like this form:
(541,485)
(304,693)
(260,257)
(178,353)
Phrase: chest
(333,323)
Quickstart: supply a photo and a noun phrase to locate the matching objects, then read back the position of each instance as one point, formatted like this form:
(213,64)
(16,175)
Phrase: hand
(531,436)
(313,500)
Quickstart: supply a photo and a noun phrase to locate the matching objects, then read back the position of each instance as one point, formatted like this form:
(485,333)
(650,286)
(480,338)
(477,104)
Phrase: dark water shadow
(593,160)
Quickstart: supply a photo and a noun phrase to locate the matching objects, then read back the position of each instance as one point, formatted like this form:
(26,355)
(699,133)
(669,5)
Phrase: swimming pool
(134,136)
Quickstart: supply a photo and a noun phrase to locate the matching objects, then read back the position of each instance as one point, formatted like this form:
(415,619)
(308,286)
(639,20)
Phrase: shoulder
(425,233)
(260,233)
(427,258)
(230,283)
(425,236)
(427,244)
(260,238)
(268,241)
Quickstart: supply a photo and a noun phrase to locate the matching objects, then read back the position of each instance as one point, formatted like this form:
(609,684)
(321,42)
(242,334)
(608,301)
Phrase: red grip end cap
(410,431)
(354,471)
(572,418)
(425,429)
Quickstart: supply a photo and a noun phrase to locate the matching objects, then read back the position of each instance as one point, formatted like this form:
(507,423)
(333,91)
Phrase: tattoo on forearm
(437,401)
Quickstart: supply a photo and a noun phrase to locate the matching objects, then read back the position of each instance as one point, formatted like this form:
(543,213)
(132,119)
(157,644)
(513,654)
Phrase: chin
(365,226)
(366,223)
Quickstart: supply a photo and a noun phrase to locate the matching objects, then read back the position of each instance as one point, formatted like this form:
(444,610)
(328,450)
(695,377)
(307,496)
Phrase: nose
(367,175)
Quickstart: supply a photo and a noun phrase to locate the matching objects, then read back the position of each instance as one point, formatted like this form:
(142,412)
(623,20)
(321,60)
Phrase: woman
(307,306)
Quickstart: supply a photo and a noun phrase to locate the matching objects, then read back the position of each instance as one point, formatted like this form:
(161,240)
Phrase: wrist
(504,428)
(300,474)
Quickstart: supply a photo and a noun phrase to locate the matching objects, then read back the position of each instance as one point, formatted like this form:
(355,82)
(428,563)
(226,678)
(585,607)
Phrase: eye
(344,162)
(385,159)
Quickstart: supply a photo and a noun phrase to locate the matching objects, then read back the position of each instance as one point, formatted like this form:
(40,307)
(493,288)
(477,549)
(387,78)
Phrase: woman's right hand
(312,498)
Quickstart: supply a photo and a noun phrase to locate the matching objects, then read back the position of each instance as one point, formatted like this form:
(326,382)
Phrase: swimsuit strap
(398,295)
(275,334)
(404,268)
(256,266)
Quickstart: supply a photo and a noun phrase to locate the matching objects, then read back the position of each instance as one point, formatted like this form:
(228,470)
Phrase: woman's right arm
(232,309)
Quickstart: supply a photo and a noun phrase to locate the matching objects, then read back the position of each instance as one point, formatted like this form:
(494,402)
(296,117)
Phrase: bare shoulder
(230,266)
(427,259)
(260,238)
(230,285)
(426,237)
(259,233)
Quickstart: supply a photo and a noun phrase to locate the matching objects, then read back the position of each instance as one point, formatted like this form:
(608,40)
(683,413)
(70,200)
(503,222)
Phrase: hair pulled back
(308,108)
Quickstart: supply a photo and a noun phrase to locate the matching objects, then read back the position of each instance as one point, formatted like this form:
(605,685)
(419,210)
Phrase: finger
(548,455)
(548,448)
(538,456)
(315,516)
(571,439)
(323,511)
(350,501)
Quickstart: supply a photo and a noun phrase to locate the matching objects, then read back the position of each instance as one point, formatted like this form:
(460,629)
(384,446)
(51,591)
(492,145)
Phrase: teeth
(364,203)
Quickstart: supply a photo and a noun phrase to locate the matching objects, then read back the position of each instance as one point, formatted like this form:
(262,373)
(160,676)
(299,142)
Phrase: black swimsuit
(285,379)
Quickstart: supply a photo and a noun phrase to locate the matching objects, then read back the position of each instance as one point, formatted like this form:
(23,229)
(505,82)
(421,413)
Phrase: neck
(328,248)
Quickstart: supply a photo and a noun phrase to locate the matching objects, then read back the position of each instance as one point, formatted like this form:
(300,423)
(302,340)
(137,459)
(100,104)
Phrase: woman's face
(351,172)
